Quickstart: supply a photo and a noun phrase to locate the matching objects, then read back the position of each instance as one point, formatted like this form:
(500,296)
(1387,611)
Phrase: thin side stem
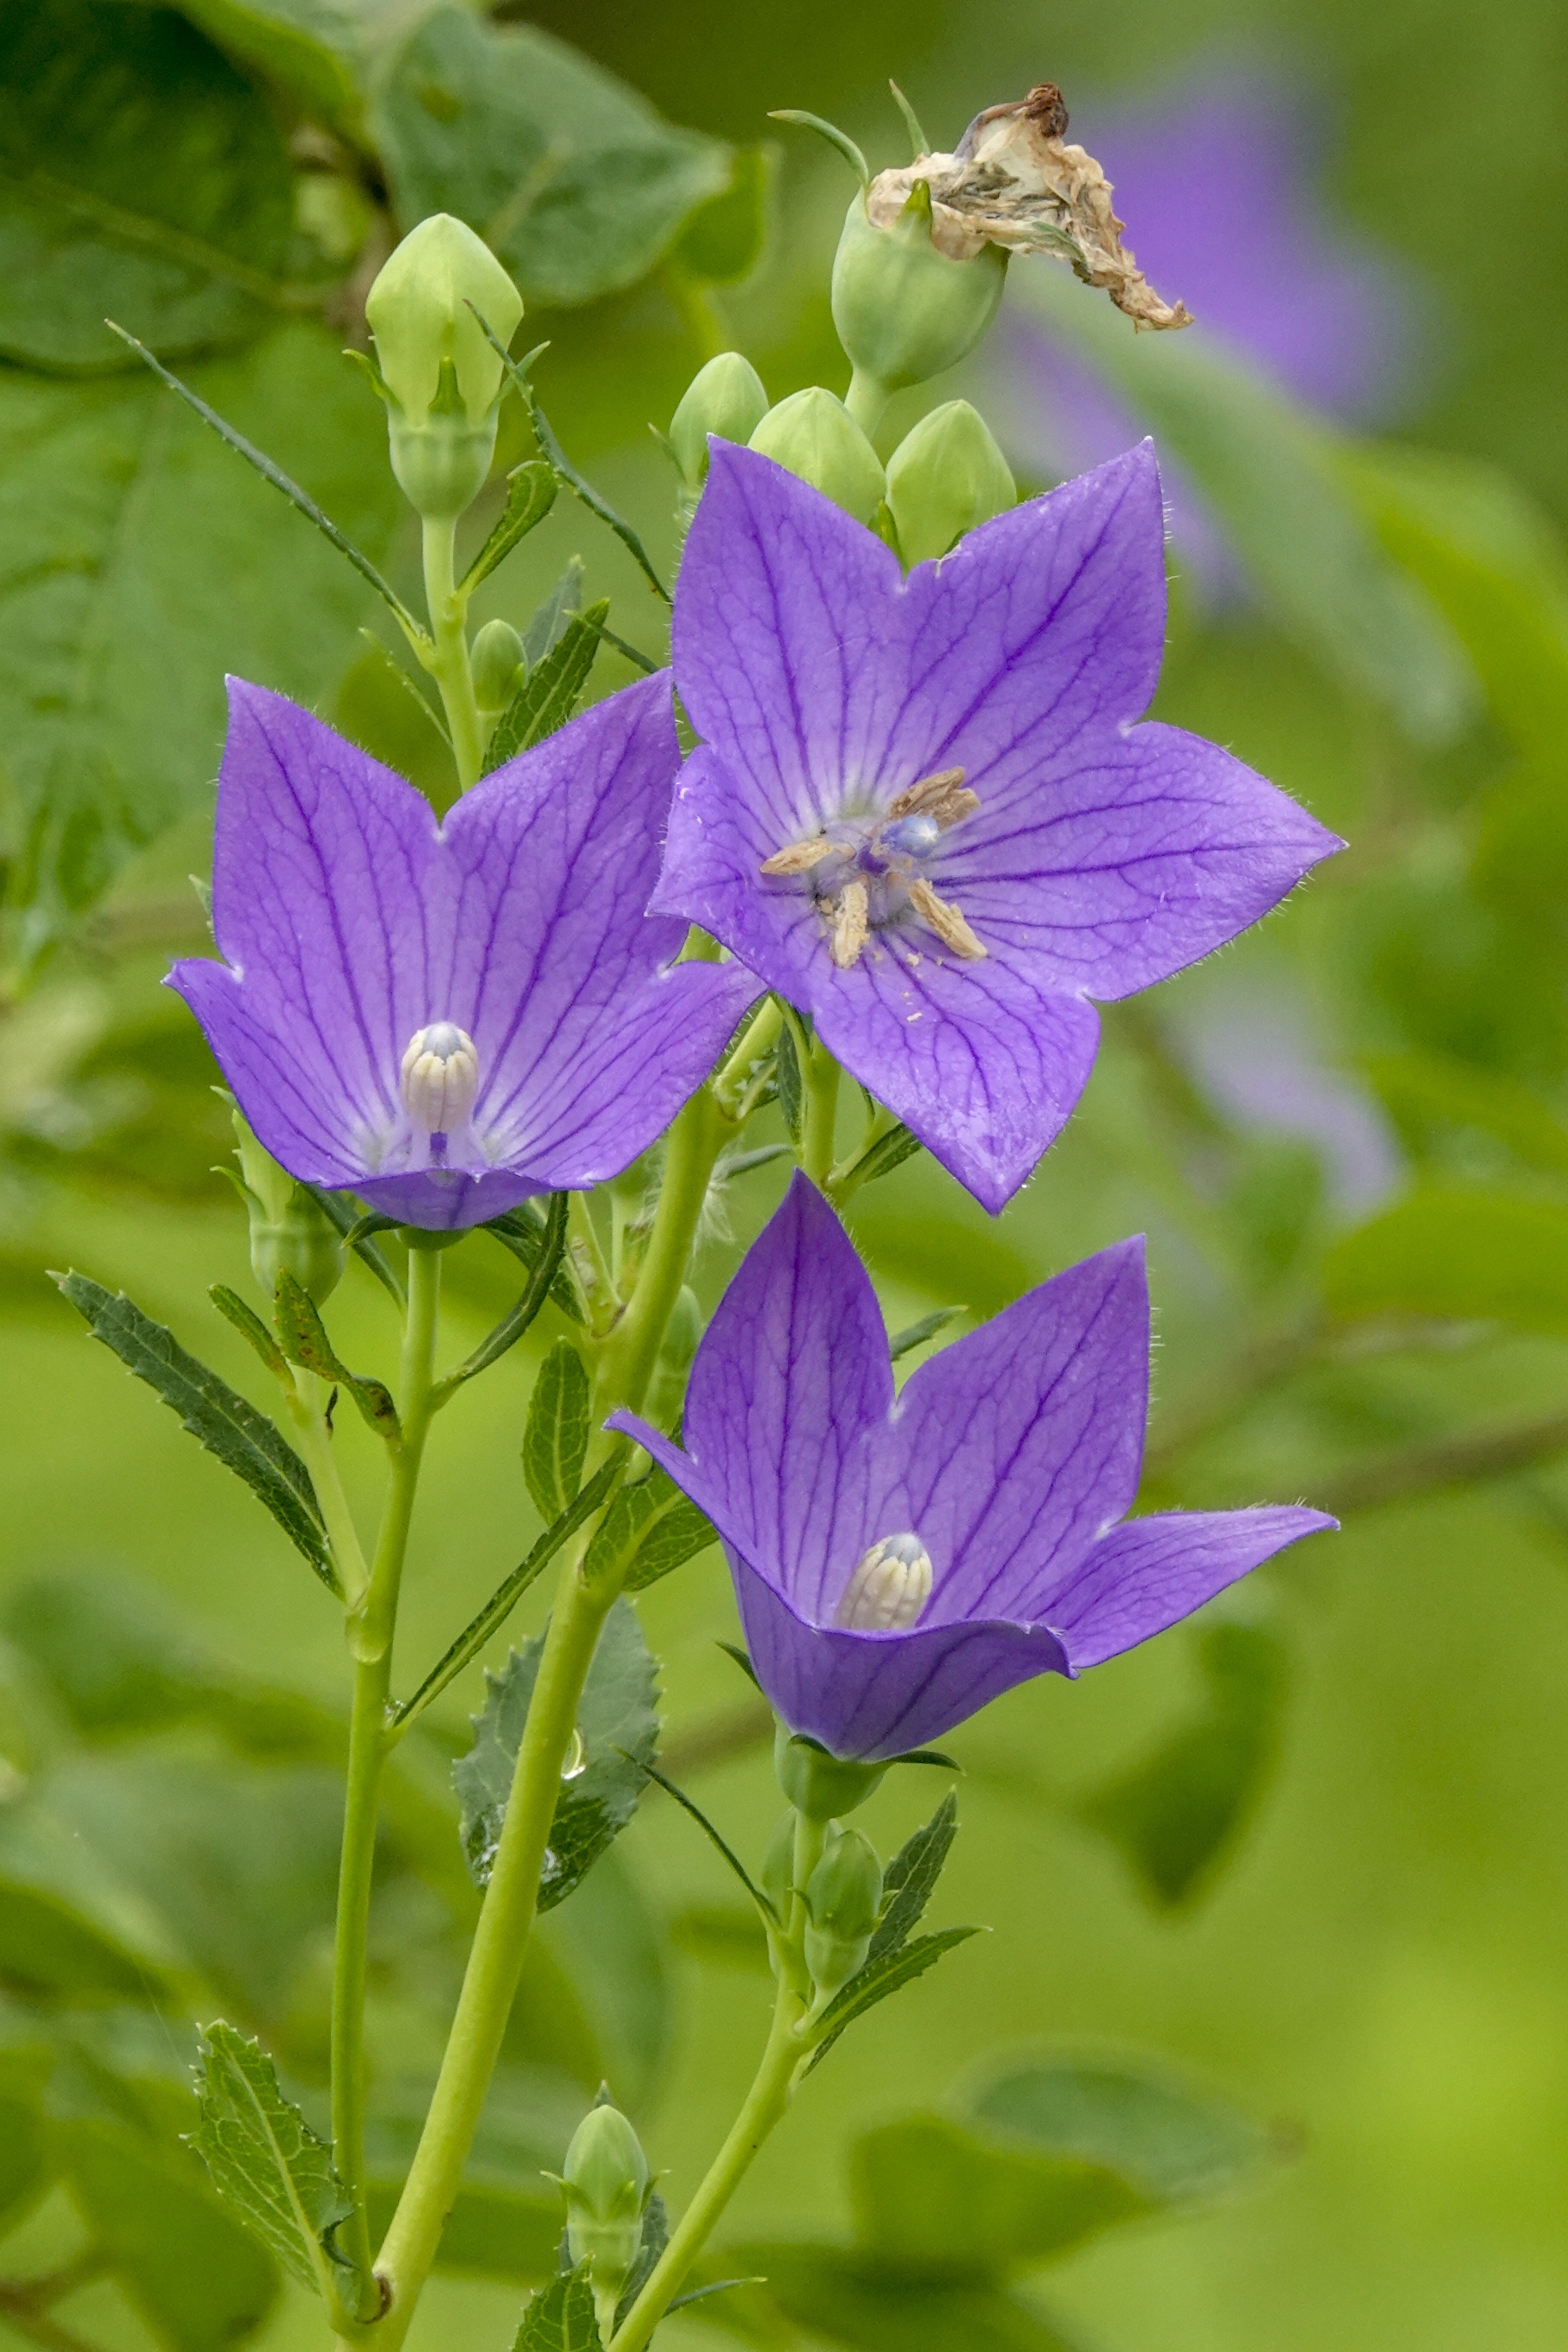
(867,401)
(306,1412)
(631,1351)
(819,1081)
(757,1039)
(449,664)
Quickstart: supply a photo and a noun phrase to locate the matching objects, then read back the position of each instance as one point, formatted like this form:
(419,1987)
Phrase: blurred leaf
(612,1949)
(142,178)
(316,51)
(491,2232)
(648,1530)
(933,1252)
(548,623)
(616,1720)
(889,1973)
(549,694)
(849,2298)
(722,242)
(141,562)
(263,2159)
(915,1335)
(305,1342)
(560,2317)
(1175,1816)
(50,1950)
(242,1439)
(1458,1253)
(1520,869)
(929,2198)
(1273,1210)
(23,2158)
(1271,475)
(1493,563)
(721,1936)
(572,178)
(530,495)
(555,1436)
(1173,2145)
(201,2281)
(1426,1094)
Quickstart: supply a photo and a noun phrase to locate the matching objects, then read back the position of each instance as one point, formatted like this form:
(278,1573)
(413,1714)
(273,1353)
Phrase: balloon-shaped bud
(497,659)
(289,1233)
(725,397)
(439,373)
(815,435)
(904,312)
(606,2182)
(843,1896)
(946,476)
(822,1787)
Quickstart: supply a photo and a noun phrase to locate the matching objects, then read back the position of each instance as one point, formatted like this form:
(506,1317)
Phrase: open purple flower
(445,1018)
(923,810)
(900,1562)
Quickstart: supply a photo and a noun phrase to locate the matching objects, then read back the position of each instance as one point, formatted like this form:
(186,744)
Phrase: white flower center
(440,1079)
(890,1589)
(867,872)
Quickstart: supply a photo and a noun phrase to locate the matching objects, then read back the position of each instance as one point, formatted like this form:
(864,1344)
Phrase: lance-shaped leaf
(512,1325)
(879,1158)
(655,2237)
(263,2159)
(555,1436)
(251,1327)
(244,1440)
(911,1875)
(878,1977)
(560,2317)
(915,1335)
(648,1530)
(719,1842)
(550,615)
(549,694)
(530,490)
(522,1231)
(305,1342)
(617,1727)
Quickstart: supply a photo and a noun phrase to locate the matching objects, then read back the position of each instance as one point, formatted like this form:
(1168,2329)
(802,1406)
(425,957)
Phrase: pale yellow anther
(802,855)
(851,923)
(440,1077)
(889,1588)
(942,917)
(944,797)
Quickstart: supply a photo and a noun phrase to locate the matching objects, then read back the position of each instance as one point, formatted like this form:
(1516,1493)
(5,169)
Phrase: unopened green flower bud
(496,659)
(725,397)
(822,1787)
(439,373)
(903,310)
(606,2182)
(843,1896)
(815,435)
(777,1880)
(946,476)
(666,1390)
(288,1233)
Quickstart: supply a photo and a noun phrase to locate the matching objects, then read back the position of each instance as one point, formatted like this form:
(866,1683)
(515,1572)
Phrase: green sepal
(531,493)
(252,1328)
(523,1230)
(511,1327)
(831,132)
(226,1423)
(648,1530)
(357,1230)
(267,2162)
(880,1159)
(556,1437)
(305,1342)
(915,1335)
(548,697)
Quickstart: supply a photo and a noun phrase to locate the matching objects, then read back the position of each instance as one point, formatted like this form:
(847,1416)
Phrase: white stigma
(890,1589)
(440,1077)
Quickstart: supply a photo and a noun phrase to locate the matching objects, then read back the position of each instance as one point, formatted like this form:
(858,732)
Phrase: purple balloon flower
(445,1018)
(900,1562)
(923,811)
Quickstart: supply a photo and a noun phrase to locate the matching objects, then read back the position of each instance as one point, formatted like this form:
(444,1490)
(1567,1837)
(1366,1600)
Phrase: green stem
(758,1038)
(370,1632)
(819,1080)
(448,664)
(305,1409)
(866,400)
(766,2103)
(632,1350)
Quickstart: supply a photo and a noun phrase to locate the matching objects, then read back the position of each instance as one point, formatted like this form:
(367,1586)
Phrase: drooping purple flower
(923,810)
(899,1562)
(445,1018)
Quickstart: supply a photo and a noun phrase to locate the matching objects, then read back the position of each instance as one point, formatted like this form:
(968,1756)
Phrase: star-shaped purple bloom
(445,1018)
(923,811)
(899,1562)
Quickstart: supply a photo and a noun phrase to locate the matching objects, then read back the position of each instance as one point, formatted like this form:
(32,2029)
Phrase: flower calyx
(290,1234)
(821,1786)
(868,873)
(436,368)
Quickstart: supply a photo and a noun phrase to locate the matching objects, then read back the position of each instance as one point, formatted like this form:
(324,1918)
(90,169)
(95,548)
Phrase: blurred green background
(1347,1138)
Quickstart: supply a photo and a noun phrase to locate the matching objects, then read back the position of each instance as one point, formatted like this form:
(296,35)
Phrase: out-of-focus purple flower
(445,1018)
(923,812)
(899,1562)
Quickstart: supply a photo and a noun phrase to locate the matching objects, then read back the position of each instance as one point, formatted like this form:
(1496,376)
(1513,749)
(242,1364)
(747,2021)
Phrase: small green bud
(777,1879)
(725,397)
(666,1390)
(946,476)
(440,378)
(903,310)
(815,435)
(608,2182)
(497,659)
(822,1787)
(288,1232)
(843,1896)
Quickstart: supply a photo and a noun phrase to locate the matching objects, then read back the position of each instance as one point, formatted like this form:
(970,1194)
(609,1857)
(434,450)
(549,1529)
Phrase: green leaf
(140,176)
(523,1231)
(24,2156)
(1428,1095)
(722,242)
(577,184)
(251,1327)
(1173,2145)
(1271,475)
(316,51)
(1178,1814)
(243,1440)
(550,447)
(549,694)
(530,495)
(888,1973)
(840,2296)
(648,1530)
(305,1342)
(654,2239)
(560,2317)
(915,1335)
(545,627)
(911,1877)
(491,2232)
(721,1936)
(617,1725)
(555,1436)
(512,1325)
(715,1838)
(888,1152)
(1458,1253)
(792,1096)
(504,1599)
(51,1951)
(263,2159)
(200,2280)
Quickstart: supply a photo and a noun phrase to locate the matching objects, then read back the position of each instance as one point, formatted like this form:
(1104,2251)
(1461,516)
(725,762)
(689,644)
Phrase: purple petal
(1129,861)
(877,1695)
(1149,1573)
(791,1379)
(1021,1444)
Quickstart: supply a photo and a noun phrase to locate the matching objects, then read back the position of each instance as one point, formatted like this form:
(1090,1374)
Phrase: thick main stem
(449,665)
(632,1350)
(370,1630)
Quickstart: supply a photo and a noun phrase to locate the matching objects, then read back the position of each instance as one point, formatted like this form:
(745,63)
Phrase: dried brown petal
(1014,182)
